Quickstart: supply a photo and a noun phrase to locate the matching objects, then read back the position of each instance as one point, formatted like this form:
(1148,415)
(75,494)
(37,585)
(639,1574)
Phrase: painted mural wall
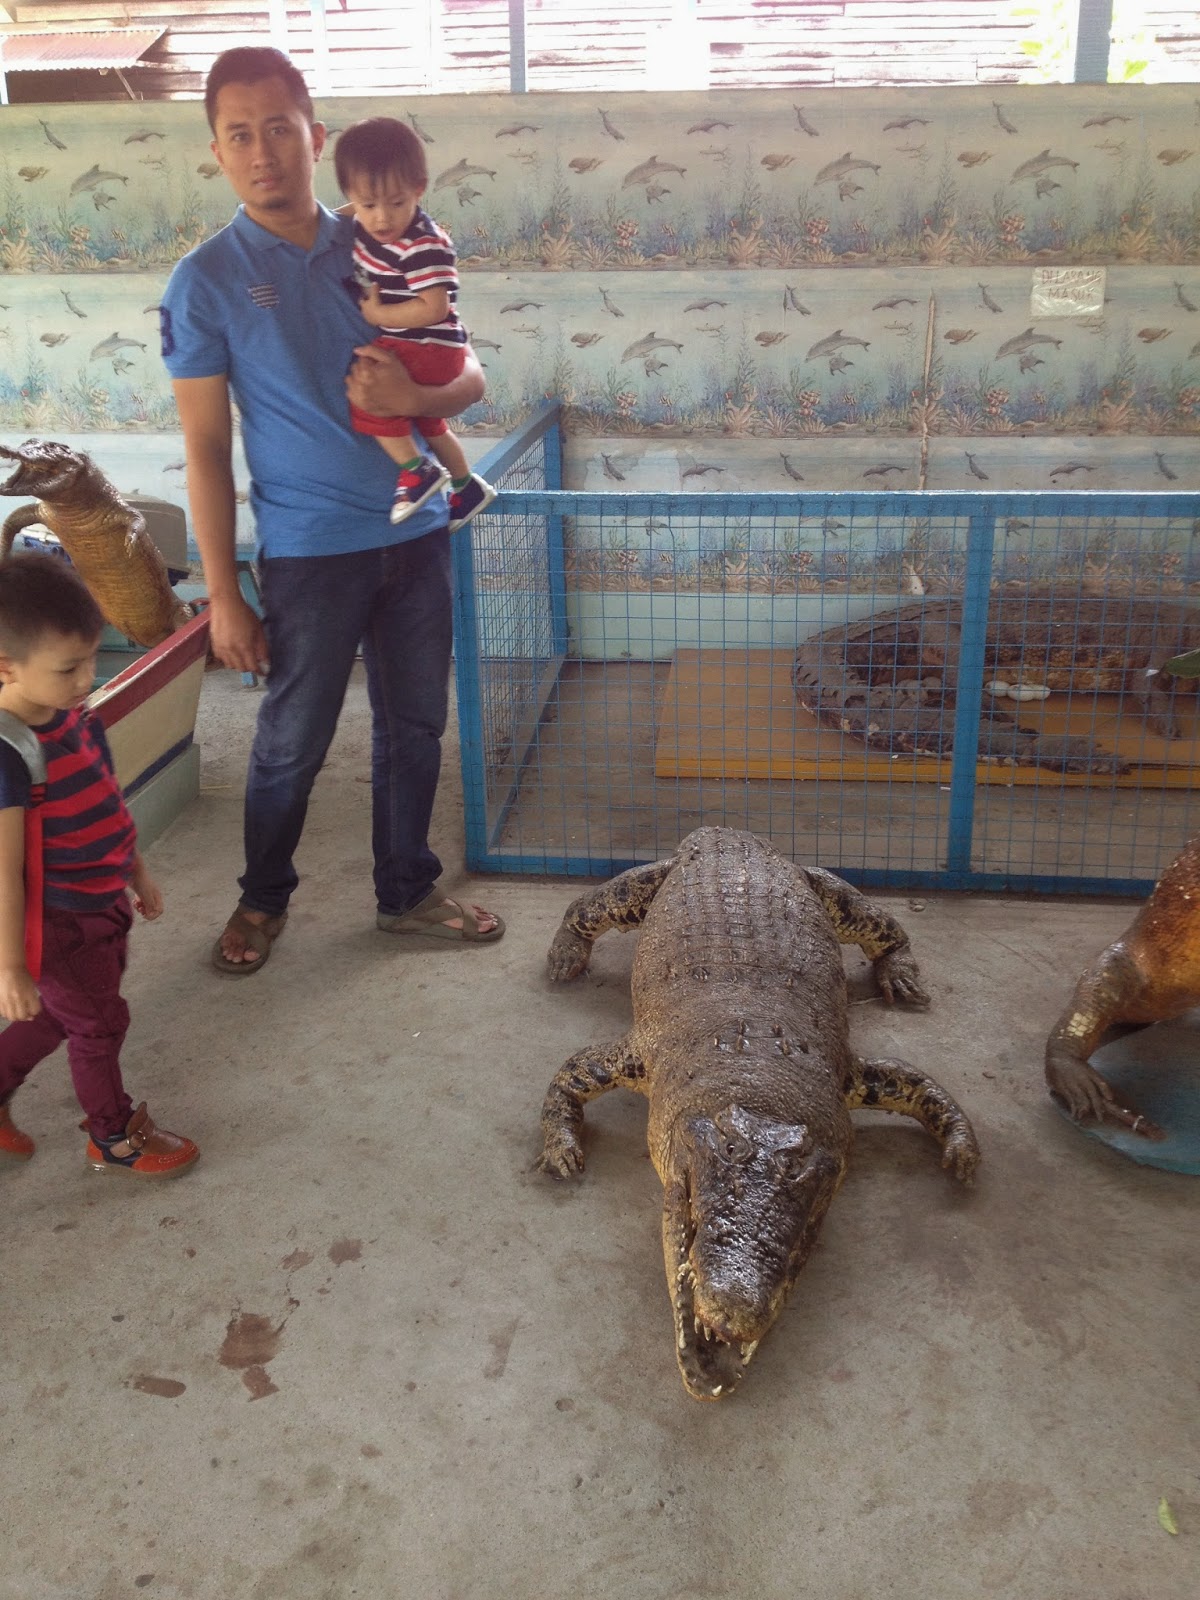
(739,290)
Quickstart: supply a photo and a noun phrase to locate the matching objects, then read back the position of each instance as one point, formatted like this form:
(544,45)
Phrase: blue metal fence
(624,674)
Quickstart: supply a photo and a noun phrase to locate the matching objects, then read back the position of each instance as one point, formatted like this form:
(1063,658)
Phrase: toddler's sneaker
(415,485)
(142,1150)
(468,501)
(14,1145)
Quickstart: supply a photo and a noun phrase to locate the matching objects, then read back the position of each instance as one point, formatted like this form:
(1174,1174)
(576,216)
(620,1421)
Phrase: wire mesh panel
(1090,600)
(913,689)
(510,626)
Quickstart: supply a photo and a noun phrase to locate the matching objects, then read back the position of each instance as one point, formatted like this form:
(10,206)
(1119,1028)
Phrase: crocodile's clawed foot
(1163,724)
(562,1155)
(961,1154)
(567,956)
(1086,1096)
(899,980)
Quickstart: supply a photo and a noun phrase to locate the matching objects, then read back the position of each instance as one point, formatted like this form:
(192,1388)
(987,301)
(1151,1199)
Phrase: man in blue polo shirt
(262,314)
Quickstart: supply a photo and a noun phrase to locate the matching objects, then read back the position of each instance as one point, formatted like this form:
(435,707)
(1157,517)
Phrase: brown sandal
(259,937)
(433,916)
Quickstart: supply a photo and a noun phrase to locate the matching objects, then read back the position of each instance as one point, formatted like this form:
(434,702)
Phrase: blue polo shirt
(281,324)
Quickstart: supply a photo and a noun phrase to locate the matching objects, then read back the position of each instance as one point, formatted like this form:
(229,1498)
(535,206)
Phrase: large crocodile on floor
(889,679)
(740,1040)
(105,538)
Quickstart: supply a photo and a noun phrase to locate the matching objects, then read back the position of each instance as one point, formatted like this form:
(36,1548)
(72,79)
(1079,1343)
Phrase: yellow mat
(734,714)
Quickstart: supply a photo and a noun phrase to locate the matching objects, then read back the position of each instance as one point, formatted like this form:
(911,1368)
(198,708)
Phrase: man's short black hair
(254,63)
(41,596)
(378,148)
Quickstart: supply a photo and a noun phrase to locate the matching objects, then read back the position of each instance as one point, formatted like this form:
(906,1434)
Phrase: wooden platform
(734,714)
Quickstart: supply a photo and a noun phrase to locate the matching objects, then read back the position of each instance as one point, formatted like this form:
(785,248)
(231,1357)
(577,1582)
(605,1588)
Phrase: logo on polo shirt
(264,294)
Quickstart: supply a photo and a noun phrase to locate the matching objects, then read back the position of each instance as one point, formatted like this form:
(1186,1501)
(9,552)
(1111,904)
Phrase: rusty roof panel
(48,52)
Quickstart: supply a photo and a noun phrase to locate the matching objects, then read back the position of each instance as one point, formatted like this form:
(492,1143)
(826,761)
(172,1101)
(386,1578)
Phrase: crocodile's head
(746,1198)
(44,468)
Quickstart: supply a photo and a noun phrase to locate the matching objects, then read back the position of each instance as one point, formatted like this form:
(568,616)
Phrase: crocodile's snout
(43,467)
(753,1197)
(9,486)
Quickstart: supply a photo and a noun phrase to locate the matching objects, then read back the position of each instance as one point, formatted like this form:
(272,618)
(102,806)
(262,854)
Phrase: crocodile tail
(16,522)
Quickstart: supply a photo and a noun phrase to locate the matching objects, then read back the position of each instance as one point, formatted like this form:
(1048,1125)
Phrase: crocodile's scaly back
(740,1041)
(739,990)
(105,538)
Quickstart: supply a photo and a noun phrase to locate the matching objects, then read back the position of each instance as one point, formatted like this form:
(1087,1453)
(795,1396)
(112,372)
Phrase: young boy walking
(62,954)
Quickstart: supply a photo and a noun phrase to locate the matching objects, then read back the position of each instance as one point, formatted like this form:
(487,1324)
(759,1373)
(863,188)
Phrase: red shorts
(424,363)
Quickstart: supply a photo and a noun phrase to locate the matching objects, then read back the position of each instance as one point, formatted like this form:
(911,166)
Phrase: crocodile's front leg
(1098,1004)
(588,1073)
(1154,693)
(621,903)
(888,1084)
(877,934)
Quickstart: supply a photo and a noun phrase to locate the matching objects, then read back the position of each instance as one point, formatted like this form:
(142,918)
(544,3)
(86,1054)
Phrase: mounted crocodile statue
(1150,974)
(889,679)
(105,538)
(740,1041)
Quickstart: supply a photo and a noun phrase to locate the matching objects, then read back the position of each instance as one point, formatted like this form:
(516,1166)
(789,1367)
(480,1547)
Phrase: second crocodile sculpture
(105,538)
(740,1041)
(1150,974)
(890,679)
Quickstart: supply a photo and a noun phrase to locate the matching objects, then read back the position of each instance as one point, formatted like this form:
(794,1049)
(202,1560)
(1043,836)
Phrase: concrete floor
(363,1350)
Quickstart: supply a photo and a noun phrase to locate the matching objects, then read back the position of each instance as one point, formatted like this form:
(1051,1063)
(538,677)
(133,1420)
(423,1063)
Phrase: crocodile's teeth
(748,1350)
(682,1339)
(718,1390)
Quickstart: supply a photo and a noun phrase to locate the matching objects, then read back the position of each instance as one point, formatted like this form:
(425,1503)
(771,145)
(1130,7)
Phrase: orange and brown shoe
(143,1150)
(14,1145)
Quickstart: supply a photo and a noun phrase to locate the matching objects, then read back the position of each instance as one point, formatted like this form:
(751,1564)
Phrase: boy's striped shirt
(89,836)
(423,258)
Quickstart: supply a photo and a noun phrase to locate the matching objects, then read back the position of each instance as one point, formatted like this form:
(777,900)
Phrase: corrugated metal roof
(49,52)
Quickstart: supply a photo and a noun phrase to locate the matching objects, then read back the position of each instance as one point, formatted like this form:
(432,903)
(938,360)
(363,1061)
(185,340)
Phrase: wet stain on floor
(251,1341)
(165,1388)
(259,1382)
(501,1343)
(345,1250)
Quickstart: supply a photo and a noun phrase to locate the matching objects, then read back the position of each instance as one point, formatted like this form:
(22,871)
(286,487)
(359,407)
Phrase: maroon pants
(83,961)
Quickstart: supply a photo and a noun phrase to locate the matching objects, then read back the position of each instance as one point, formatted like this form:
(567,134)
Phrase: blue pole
(470,701)
(981,533)
(556,557)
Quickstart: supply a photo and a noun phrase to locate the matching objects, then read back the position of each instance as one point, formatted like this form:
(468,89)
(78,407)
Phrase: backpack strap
(21,737)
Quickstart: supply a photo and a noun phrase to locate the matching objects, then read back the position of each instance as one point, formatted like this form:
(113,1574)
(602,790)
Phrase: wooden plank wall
(461,46)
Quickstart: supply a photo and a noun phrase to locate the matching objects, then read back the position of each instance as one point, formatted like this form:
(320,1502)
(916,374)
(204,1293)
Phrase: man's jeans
(317,610)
